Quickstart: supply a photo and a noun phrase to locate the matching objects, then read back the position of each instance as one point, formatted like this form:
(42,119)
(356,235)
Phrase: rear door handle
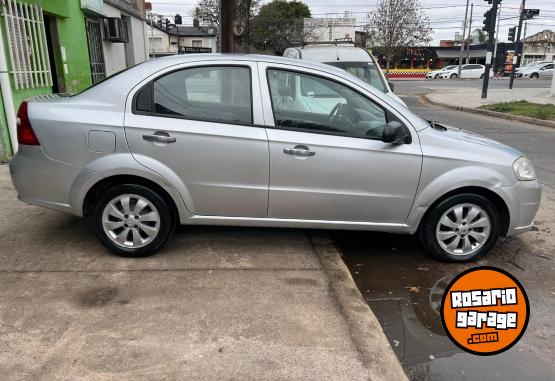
(299,150)
(159,138)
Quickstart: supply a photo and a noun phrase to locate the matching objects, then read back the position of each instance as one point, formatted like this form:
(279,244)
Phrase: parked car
(539,71)
(529,65)
(435,74)
(214,139)
(468,71)
(357,61)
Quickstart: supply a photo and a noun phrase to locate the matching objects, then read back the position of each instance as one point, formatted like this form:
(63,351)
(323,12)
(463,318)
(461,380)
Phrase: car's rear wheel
(132,220)
(453,76)
(460,228)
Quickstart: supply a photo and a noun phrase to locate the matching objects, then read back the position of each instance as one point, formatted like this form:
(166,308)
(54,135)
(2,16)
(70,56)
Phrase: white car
(435,74)
(520,70)
(539,71)
(344,55)
(468,71)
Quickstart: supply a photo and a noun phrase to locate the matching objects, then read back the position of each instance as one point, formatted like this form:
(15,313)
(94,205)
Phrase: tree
(396,25)
(278,24)
(482,36)
(207,12)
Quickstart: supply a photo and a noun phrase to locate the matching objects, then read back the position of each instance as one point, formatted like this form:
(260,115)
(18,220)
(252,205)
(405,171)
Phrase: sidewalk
(216,304)
(469,100)
(466,97)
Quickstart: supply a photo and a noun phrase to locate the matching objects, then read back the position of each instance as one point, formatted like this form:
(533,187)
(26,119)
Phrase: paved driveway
(217,303)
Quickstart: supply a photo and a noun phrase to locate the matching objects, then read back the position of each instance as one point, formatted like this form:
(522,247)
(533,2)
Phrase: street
(404,287)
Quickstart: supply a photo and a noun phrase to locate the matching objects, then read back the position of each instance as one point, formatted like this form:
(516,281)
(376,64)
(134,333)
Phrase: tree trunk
(235,25)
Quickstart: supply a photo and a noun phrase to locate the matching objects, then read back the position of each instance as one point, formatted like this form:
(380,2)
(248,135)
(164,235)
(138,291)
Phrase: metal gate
(94,38)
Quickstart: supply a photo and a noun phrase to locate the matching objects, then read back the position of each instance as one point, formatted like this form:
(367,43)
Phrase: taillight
(25,133)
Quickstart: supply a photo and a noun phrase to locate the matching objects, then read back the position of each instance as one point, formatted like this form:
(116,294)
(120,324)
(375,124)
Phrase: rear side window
(218,94)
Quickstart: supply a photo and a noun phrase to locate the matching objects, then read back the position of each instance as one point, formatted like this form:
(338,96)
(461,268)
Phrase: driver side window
(315,104)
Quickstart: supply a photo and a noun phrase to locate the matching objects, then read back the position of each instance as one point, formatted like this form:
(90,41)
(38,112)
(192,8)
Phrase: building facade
(539,47)
(329,29)
(116,35)
(180,39)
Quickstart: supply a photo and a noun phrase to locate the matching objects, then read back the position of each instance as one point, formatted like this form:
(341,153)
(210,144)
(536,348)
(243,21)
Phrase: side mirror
(396,133)
(391,85)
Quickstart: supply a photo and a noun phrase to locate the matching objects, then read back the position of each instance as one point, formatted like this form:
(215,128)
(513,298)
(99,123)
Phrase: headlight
(524,170)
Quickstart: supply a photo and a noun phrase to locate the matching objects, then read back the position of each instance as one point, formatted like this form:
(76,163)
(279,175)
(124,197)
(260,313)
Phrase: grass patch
(524,108)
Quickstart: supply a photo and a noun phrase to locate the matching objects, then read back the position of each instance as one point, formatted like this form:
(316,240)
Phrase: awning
(455,53)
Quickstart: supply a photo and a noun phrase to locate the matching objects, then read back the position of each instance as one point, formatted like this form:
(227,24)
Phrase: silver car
(264,141)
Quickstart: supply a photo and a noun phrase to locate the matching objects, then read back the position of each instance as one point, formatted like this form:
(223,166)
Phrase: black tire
(167,220)
(453,76)
(534,76)
(427,229)
(436,76)
(482,76)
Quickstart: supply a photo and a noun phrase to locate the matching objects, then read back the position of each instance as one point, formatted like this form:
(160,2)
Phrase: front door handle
(159,138)
(299,150)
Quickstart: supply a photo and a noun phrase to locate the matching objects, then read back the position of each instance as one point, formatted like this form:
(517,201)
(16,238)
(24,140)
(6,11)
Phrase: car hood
(471,137)
(460,144)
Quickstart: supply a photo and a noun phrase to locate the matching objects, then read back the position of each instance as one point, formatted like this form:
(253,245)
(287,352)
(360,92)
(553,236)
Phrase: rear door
(199,122)
(328,163)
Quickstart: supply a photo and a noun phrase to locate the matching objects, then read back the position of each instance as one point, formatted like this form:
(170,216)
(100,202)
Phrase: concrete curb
(366,332)
(495,114)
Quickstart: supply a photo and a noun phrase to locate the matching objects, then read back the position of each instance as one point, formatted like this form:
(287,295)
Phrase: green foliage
(482,36)
(524,108)
(278,24)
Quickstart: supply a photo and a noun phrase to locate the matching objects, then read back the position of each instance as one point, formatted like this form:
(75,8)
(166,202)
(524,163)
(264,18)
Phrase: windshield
(450,67)
(366,71)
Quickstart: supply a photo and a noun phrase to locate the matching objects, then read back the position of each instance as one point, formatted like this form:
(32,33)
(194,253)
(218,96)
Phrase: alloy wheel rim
(463,229)
(131,221)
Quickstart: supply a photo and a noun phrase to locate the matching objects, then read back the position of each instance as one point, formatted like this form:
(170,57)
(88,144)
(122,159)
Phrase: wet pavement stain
(99,297)
(404,287)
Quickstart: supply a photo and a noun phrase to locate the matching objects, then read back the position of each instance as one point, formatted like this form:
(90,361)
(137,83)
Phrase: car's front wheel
(534,75)
(132,220)
(453,76)
(460,228)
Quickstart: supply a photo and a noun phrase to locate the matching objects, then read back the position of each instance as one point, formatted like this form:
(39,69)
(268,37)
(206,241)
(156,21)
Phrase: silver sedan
(264,141)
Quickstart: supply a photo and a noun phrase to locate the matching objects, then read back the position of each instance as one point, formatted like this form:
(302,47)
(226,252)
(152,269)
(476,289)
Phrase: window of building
(315,104)
(219,94)
(26,39)
(197,43)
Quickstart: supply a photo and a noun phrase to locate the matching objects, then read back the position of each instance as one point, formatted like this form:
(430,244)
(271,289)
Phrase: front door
(198,122)
(327,160)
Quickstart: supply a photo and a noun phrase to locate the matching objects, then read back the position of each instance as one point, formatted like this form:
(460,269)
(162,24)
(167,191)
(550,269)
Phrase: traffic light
(512,33)
(487,21)
(167,23)
(177,19)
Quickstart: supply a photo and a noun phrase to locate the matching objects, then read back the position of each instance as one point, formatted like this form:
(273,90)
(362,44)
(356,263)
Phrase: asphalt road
(404,287)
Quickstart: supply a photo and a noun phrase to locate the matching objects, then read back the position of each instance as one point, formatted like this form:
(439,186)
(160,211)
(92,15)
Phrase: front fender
(433,188)
(125,164)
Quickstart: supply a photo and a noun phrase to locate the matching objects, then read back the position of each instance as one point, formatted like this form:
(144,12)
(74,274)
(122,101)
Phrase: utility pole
(518,47)
(469,34)
(489,22)
(234,25)
(462,41)
(496,34)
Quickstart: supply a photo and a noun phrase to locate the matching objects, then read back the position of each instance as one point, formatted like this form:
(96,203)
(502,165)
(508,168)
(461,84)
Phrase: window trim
(388,114)
(150,83)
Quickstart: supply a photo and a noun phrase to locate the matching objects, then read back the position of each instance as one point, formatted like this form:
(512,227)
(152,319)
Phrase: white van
(348,57)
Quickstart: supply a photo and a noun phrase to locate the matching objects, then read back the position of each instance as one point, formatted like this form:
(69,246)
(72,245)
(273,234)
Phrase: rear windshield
(366,71)
(107,78)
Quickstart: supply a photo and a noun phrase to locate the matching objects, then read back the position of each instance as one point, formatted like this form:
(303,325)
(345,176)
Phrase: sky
(446,17)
